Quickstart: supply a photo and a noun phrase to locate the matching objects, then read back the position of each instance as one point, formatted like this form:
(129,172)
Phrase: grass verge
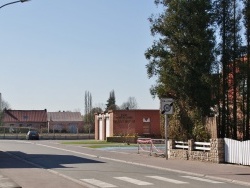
(97,144)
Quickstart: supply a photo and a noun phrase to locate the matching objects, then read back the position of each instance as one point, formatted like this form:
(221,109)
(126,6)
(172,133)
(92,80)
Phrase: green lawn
(97,144)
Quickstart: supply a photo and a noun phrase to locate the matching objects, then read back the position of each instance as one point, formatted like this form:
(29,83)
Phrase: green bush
(123,139)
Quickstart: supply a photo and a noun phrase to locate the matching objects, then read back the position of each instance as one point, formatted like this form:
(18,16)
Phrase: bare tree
(3,105)
(129,104)
(77,110)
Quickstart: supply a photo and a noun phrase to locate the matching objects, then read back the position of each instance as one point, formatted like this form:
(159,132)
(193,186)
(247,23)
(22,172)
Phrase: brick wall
(215,155)
(127,123)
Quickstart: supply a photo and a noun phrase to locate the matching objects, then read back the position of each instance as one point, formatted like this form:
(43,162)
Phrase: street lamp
(20,1)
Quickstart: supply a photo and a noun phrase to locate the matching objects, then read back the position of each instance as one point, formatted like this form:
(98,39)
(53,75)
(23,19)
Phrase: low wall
(50,136)
(215,155)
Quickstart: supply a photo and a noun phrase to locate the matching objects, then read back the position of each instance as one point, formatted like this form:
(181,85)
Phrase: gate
(237,151)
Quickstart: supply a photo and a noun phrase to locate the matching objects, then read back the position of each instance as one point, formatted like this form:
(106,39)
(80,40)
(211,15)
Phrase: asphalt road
(51,164)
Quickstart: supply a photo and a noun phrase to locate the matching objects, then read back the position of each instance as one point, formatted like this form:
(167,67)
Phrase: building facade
(43,121)
(66,122)
(31,119)
(127,123)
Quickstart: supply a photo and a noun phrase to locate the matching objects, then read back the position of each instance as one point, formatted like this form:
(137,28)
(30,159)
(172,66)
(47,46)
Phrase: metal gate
(237,152)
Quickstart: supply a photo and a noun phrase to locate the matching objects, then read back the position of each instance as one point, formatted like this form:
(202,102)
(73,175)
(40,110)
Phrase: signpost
(166,108)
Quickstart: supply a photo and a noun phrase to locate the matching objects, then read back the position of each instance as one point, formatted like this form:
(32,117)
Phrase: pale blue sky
(52,51)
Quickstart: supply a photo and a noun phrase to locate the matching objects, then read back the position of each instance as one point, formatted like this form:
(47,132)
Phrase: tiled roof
(25,116)
(64,116)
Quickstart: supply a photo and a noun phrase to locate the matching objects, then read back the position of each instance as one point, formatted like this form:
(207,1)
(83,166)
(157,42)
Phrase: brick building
(34,119)
(43,121)
(127,123)
(67,122)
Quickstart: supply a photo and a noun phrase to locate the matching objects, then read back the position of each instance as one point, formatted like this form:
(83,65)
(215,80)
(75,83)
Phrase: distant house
(70,122)
(32,119)
(43,121)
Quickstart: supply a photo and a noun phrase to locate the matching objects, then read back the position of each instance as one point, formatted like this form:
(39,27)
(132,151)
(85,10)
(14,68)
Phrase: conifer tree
(247,34)
(228,19)
(181,58)
(111,105)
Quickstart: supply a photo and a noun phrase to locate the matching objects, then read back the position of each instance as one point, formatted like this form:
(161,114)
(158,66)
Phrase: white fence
(202,146)
(237,152)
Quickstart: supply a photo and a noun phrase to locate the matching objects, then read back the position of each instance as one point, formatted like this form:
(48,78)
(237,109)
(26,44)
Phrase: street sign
(167,106)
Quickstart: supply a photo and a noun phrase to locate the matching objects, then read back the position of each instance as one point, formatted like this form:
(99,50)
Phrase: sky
(52,51)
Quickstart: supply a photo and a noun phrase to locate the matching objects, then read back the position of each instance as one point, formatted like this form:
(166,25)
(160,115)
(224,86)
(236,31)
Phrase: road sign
(167,106)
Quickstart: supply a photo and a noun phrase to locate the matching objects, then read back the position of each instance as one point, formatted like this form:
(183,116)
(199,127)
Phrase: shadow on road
(12,159)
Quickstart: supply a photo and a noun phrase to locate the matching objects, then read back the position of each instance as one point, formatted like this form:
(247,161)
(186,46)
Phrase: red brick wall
(130,122)
(154,116)
(124,122)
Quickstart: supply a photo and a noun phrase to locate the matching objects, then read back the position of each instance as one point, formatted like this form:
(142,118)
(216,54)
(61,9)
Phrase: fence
(151,146)
(202,146)
(237,152)
(217,150)
(49,136)
(20,134)
(157,146)
(41,130)
(212,151)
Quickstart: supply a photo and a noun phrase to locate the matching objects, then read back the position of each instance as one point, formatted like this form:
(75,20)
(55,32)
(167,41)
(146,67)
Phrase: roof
(64,116)
(25,116)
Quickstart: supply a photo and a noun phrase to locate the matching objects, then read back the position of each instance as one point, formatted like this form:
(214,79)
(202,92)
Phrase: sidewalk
(7,182)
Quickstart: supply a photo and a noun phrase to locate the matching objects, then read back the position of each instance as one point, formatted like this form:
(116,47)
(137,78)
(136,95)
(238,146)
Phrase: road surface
(45,164)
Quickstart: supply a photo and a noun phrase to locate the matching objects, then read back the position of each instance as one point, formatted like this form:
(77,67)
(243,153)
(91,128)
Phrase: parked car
(32,135)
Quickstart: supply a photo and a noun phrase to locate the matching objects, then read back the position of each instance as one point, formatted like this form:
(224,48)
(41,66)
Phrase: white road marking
(134,181)
(121,152)
(201,179)
(98,183)
(167,179)
(134,163)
